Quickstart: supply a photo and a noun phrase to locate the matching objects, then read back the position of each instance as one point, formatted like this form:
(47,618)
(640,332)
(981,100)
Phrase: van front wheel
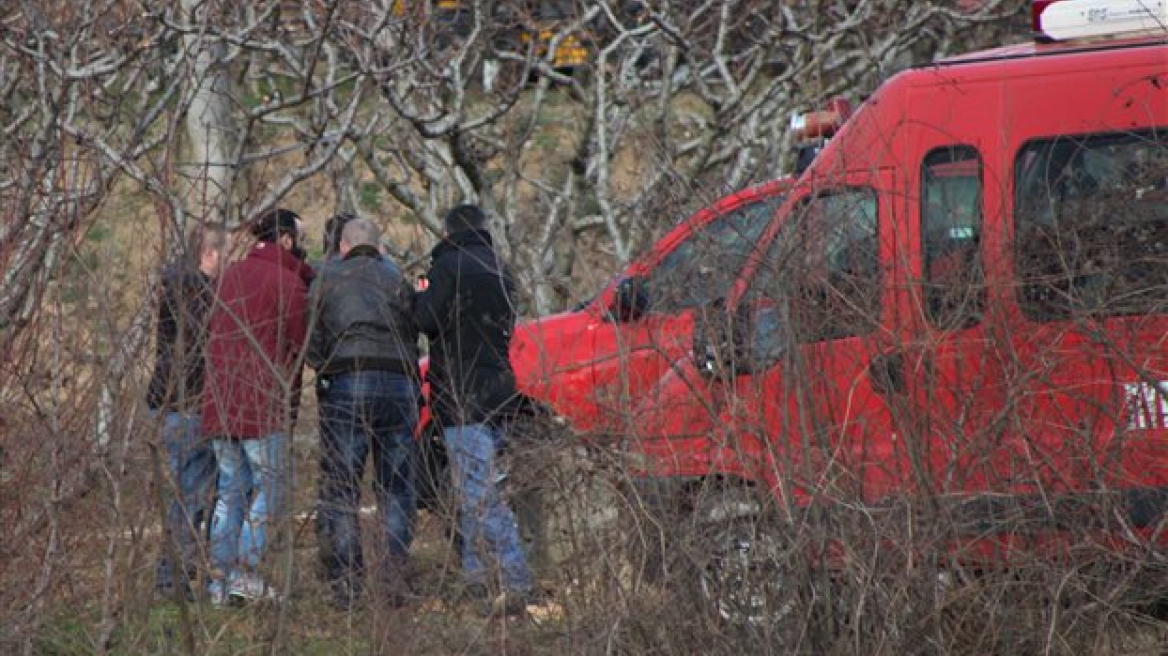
(742,562)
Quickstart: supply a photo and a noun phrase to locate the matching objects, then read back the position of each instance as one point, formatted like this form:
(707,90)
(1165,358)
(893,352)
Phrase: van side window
(824,265)
(951,227)
(1091,225)
(702,268)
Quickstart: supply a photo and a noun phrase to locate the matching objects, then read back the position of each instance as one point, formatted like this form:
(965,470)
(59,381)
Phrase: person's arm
(296,322)
(315,356)
(431,306)
(297,326)
(167,315)
(166,334)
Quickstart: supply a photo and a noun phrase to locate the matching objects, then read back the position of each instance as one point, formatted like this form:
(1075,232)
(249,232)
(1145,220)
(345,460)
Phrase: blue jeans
(363,413)
(191,466)
(254,477)
(490,537)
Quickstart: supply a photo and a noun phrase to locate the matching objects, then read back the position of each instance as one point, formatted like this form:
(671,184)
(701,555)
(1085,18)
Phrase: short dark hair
(333,229)
(274,223)
(464,217)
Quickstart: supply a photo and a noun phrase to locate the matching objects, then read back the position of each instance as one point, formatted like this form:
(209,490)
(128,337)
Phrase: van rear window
(1091,225)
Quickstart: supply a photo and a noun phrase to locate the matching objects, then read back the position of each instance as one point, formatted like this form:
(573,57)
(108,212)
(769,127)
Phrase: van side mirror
(630,300)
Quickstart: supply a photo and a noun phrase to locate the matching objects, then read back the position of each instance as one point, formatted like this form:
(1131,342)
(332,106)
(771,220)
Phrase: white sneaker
(217,593)
(251,587)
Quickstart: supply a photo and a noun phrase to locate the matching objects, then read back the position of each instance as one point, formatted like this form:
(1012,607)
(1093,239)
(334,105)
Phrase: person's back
(362,317)
(256,331)
(469,314)
(174,398)
(177,381)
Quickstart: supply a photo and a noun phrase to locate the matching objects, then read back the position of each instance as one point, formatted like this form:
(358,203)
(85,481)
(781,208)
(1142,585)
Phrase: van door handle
(887,373)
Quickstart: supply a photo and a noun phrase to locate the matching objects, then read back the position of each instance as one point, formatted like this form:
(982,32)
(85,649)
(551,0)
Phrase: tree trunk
(209,125)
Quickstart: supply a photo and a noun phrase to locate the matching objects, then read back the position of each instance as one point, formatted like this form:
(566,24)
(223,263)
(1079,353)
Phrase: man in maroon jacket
(257,329)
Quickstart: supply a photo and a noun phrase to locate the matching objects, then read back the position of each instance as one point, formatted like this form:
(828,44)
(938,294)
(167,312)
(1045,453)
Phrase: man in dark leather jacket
(468,315)
(364,347)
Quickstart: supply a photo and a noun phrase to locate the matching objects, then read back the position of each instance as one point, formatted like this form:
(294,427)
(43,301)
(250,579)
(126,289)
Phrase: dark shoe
(478,597)
(514,605)
(165,584)
(398,595)
(476,592)
(166,592)
(511,603)
(345,596)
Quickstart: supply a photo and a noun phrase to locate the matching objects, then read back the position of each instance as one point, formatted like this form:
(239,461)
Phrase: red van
(964,305)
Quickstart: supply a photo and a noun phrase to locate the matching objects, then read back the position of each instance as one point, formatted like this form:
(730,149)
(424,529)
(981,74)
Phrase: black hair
(333,229)
(464,217)
(272,224)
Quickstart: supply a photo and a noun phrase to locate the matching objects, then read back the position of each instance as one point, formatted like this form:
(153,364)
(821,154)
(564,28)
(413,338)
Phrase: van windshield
(701,269)
(1091,225)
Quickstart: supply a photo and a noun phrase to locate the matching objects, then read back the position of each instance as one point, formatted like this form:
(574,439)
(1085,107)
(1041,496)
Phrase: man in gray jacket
(364,347)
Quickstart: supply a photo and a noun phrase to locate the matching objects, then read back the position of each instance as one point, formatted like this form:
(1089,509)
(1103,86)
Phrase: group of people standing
(226,388)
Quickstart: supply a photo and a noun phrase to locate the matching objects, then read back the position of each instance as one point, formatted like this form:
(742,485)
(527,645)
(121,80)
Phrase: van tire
(741,562)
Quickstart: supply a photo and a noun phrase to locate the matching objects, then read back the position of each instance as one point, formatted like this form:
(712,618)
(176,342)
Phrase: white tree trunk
(209,124)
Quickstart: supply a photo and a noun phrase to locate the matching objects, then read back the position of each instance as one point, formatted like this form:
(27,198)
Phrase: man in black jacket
(364,347)
(468,315)
(174,397)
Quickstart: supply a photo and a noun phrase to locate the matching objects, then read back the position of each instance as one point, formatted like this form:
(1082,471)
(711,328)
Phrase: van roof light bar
(1065,20)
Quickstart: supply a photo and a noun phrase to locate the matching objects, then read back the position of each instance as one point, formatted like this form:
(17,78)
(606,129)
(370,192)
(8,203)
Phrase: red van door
(1089,194)
(955,426)
(823,404)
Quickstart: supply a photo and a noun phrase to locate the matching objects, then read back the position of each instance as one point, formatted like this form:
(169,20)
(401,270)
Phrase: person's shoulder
(252,272)
(329,266)
(386,270)
(303,274)
(387,263)
(447,260)
(172,271)
(178,273)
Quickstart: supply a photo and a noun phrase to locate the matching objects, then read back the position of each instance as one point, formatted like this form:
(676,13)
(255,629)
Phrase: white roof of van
(1035,49)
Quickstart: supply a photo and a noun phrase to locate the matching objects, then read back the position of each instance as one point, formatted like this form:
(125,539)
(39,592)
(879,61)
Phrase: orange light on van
(1064,20)
(821,123)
